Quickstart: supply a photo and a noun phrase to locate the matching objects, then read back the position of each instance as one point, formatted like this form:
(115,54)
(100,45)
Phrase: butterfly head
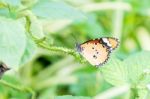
(77,45)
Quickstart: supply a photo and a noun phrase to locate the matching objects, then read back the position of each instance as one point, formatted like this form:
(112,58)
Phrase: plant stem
(50,70)
(18,88)
(32,92)
(133,93)
(58,49)
(112,92)
(55,80)
(41,42)
(10,85)
(106,6)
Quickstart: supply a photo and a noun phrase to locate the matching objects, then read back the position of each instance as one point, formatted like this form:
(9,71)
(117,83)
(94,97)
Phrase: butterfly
(3,68)
(97,51)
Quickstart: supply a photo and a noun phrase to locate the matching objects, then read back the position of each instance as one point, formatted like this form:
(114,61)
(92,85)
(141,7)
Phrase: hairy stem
(41,42)
(58,49)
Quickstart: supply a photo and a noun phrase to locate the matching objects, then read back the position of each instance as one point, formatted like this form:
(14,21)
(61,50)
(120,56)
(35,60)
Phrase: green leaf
(29,51)
(35,26)
(115,72)
(143,94)
(86,82)
(71,97)
(12,41)
(137,64)
(56,10)
(134,70)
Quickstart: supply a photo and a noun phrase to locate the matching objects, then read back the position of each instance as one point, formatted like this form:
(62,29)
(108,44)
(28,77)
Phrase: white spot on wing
(106,41)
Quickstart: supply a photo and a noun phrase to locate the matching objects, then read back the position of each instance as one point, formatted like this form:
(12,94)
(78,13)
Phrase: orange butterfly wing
(96,52)
(114,42)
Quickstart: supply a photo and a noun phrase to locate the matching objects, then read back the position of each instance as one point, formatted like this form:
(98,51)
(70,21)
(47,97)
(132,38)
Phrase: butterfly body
(3,69)
(97,51)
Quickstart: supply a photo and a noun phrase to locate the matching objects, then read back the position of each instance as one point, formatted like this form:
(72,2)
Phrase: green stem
(112,92)
(41,42)
(58,49)
(62,50)
(32,92)
(55,80)
(18,88)
(10,85)
(133,93)
(50,70)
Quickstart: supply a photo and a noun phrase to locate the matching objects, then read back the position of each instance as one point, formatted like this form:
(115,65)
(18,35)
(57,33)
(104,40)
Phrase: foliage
(37,41)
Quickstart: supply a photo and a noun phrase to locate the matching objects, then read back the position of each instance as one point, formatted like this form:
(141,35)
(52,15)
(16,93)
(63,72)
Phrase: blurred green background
(52,74)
